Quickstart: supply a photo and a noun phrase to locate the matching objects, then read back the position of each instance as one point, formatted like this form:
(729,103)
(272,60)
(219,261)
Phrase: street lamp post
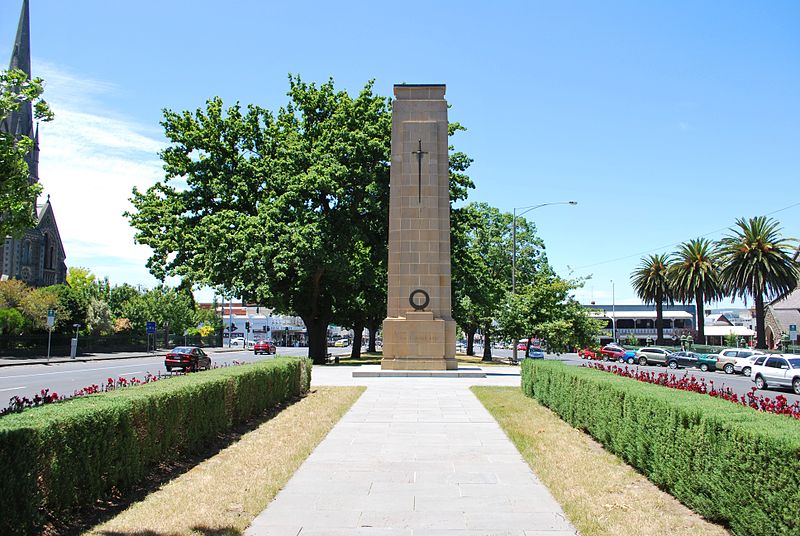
(514,245)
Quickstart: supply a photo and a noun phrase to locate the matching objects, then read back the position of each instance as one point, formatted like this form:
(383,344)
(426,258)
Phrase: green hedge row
(58,458)
(729,463)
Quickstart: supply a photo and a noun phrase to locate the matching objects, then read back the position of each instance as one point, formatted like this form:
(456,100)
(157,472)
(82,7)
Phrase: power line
(653,250)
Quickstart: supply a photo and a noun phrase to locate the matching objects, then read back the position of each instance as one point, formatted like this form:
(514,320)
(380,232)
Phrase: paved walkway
(414,457)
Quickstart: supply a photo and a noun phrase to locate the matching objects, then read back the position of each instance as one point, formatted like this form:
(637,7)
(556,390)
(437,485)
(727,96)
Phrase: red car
(264,347)
(522,347)
(613,352)
(189,358)
(587,353)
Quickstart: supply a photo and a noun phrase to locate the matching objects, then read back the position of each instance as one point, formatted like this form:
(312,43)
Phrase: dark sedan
(189,358)
(682,359)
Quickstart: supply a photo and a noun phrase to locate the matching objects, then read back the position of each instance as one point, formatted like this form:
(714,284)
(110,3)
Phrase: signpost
(793,335)
(51,321)
(151,330)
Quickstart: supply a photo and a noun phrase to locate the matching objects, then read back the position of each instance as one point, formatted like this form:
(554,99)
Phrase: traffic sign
(793,332)
(151,328)
(51,318)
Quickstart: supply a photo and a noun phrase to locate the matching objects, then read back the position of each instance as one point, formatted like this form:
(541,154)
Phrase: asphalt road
(740,385)
(66,378)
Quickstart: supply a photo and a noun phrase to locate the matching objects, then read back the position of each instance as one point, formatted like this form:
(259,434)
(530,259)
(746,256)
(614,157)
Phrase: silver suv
(651,355)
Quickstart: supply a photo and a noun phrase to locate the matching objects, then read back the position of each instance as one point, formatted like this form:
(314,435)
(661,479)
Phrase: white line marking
(74,371)
(14,388)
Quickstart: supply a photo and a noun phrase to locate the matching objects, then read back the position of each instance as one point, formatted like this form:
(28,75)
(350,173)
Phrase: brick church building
(37,257)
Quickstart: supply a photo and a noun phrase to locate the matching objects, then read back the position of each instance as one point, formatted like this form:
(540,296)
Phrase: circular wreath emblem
(419,306)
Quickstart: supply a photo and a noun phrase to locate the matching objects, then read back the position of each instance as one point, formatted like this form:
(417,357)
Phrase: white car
(744,365)
(240,342)
(777,371)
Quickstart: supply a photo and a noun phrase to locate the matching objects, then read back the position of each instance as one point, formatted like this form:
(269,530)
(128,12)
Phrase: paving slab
(414,456)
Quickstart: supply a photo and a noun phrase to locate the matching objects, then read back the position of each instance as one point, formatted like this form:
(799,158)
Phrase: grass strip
(600,494)
(222,495)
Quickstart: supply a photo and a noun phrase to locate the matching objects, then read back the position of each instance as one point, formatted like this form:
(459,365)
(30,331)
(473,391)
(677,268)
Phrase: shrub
(60,458)
(727,462)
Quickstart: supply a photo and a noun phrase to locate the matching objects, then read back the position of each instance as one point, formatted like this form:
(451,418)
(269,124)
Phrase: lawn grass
(223,494)
(600,494)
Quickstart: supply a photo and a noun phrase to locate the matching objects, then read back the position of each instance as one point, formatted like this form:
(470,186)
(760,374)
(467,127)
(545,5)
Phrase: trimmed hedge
(731,464)
(59,458)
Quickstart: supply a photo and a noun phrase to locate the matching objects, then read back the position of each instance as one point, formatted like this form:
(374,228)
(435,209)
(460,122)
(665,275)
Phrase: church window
(26,252)
(51,256)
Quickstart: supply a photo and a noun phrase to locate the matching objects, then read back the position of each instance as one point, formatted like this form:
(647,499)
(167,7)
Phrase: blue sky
(665,121)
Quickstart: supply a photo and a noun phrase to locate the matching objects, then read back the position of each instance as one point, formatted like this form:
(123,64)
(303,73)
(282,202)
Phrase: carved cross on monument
(419,154)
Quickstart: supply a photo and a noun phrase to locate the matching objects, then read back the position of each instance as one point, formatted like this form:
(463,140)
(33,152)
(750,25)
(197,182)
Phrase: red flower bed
(779,405)
(19,403)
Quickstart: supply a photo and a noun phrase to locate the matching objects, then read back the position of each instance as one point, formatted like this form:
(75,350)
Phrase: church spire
(21,56)
(20,122)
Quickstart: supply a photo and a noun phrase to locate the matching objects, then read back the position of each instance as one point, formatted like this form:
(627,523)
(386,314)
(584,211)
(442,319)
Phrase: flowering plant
(779,405)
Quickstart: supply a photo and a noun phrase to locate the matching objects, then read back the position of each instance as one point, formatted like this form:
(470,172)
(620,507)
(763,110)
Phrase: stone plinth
(419,334)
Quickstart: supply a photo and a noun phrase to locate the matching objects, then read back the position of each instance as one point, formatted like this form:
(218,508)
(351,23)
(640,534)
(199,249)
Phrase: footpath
(414,457)
(40,360)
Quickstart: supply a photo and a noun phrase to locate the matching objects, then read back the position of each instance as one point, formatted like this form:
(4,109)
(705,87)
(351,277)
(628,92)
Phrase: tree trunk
(487,346)
(761,334)
(358,336)
(317,339)
(373,332)
(701,318)
(470,331)
(659,321)
(166,335)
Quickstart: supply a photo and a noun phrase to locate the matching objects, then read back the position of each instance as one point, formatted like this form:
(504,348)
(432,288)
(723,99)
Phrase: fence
(36,344)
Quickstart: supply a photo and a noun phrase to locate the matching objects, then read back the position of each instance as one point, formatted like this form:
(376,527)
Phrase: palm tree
(652,284)
(757,261)
(694,276)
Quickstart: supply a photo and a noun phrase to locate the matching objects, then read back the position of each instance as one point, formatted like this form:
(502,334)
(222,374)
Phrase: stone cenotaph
(419,332)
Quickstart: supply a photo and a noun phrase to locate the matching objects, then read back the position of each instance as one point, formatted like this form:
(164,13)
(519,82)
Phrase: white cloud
(90,161)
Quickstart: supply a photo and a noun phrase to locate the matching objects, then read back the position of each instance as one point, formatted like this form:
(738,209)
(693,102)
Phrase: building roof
(790,301)
(717,319)
(722,331)
(786,317)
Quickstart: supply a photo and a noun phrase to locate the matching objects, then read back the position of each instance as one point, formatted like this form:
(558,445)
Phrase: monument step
(461,373)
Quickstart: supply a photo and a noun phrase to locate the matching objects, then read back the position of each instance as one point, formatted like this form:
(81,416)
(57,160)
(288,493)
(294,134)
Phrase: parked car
(342,343)
(777,371)
(651,355)
(521,347)
(238,341)
(629,357)
(612,352)
(535,352)
(682,359)
(588,353)
(727,357)
(706,362)
(189,358)
(744,365)
(264,347)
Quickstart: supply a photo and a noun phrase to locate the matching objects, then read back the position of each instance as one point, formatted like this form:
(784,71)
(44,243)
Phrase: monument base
(419,341)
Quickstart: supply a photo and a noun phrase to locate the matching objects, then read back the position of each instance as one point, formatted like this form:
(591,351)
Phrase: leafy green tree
(757,261)
(694,276)
(119,295)
(12,293)
(99,319)
(545,308)
(11,322)
(652,284)
(71,307)
(35,306)
(482,245)
(17,195)
(169,308)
